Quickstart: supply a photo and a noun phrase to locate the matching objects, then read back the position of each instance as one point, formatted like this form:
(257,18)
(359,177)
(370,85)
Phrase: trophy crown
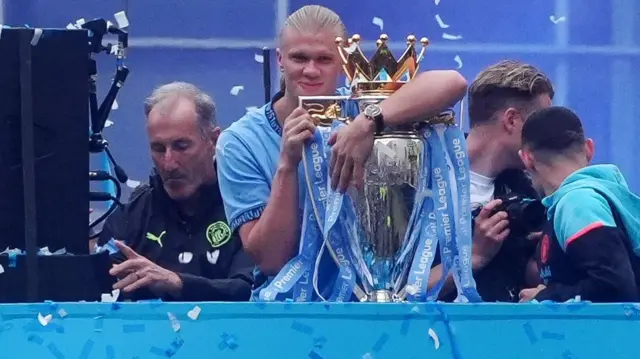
(383,74)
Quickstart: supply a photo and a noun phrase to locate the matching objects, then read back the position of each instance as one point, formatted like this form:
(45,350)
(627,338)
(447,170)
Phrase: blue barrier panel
(316,330)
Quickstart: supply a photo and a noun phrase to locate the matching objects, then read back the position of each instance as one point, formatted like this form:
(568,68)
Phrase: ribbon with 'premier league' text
(296,274)
(456,146)
(422,229)
(443,207)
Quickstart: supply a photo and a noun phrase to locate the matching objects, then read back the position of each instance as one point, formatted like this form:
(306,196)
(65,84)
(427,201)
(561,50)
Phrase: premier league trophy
(388,230)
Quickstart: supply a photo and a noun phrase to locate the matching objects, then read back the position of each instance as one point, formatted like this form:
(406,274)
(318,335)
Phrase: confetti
(450,37)
(411,289)
(1,269)
(528,330)
(175,324)
(229,341)
(133,328)
(108,123)
(133,183)
(115,105)
(367,356)
(314,355)
(384,337)
(552,336)
(110,297)
(458,61)
(235,90)
(111,353)
(437,2)
(440,22)
(302,328)
(37,34)
(378,22)
(62,313)
(86,349)
(99,323)
(80,22)
(185,257)
(251,108)
(558,20)
(319,342)
(33,338)
(212,257)
(194,313)
(434,336)
(258,58)
(71,26)
(53,349)
(44,319)
(121,19)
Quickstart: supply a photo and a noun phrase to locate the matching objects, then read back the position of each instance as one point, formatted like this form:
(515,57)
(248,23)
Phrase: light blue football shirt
(247,156)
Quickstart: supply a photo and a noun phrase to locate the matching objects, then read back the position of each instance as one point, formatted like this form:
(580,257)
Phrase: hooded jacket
(591,247)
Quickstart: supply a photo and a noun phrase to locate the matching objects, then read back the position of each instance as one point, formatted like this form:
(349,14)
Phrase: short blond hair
(508,83)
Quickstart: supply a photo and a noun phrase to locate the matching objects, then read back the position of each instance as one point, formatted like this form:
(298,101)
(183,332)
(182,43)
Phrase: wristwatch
(374,113)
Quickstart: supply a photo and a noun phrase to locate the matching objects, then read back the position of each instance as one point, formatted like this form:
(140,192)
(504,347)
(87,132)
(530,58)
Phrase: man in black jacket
(173,239)
(500,98)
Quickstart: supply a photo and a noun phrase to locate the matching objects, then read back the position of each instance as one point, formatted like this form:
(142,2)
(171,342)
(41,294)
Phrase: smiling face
(310,62)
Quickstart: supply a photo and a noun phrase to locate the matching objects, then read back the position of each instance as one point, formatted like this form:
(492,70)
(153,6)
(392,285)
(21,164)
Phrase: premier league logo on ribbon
(383,237)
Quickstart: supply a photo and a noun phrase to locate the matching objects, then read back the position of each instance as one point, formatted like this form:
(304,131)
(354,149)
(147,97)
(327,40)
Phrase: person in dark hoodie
(173,239)
(591,247)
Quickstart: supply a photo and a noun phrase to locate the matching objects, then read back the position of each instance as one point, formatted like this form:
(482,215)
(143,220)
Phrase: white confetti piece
(440,22)
(437,2)
(110,297)
(37,34)
(411,290)
(194,313)
(415,310)
(258,58)
(367,356)
(185,257)
(71,26)
(44,319)
(450,37)
(62,313)
(1,269)
(251,108)
(458,61)
(121,19)
(80,22)
(212,257)
(133,183)
(235,90)
(436,340)
(115,105)
(378,22)
(557,20)
(175,324)
(108,123)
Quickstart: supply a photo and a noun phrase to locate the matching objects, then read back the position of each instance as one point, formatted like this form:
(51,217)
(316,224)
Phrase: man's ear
(510,118)
(589,149)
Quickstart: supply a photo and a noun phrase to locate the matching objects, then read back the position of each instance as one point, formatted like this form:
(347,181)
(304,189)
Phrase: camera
(525,215)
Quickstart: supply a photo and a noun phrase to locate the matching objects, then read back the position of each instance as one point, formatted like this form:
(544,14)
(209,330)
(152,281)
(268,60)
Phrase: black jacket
(151,224)
(502,279)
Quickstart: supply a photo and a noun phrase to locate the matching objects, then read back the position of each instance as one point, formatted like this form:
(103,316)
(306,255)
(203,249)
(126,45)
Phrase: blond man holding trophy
(271,195)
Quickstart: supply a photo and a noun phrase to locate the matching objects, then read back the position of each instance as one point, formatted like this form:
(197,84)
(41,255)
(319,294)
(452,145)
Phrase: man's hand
(527,295)
(351,147)
(297,129)
(489,233)
(139,272)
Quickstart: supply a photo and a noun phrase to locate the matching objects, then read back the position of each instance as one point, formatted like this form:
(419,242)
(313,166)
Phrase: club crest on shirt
(544,249)
(218,234)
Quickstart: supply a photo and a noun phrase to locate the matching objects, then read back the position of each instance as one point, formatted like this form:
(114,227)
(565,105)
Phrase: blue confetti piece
(153,303)
(327,307)
(229,340)
(177,343)
(158,351)
(319,342)
(133,328)
(381,342)
(53,306)
(631,310)
(99,324)
(55,351)
(531,334)
(115,306)
(552,336)
(86,349)
(314,355)
(568,355)
(36,339)
(302,328)
(404,327)
(111,353)
(13,259)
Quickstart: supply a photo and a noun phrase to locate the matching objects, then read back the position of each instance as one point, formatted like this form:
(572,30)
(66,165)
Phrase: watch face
(372,111)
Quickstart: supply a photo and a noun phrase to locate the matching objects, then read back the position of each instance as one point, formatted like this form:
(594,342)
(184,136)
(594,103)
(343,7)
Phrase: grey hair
(205,107)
